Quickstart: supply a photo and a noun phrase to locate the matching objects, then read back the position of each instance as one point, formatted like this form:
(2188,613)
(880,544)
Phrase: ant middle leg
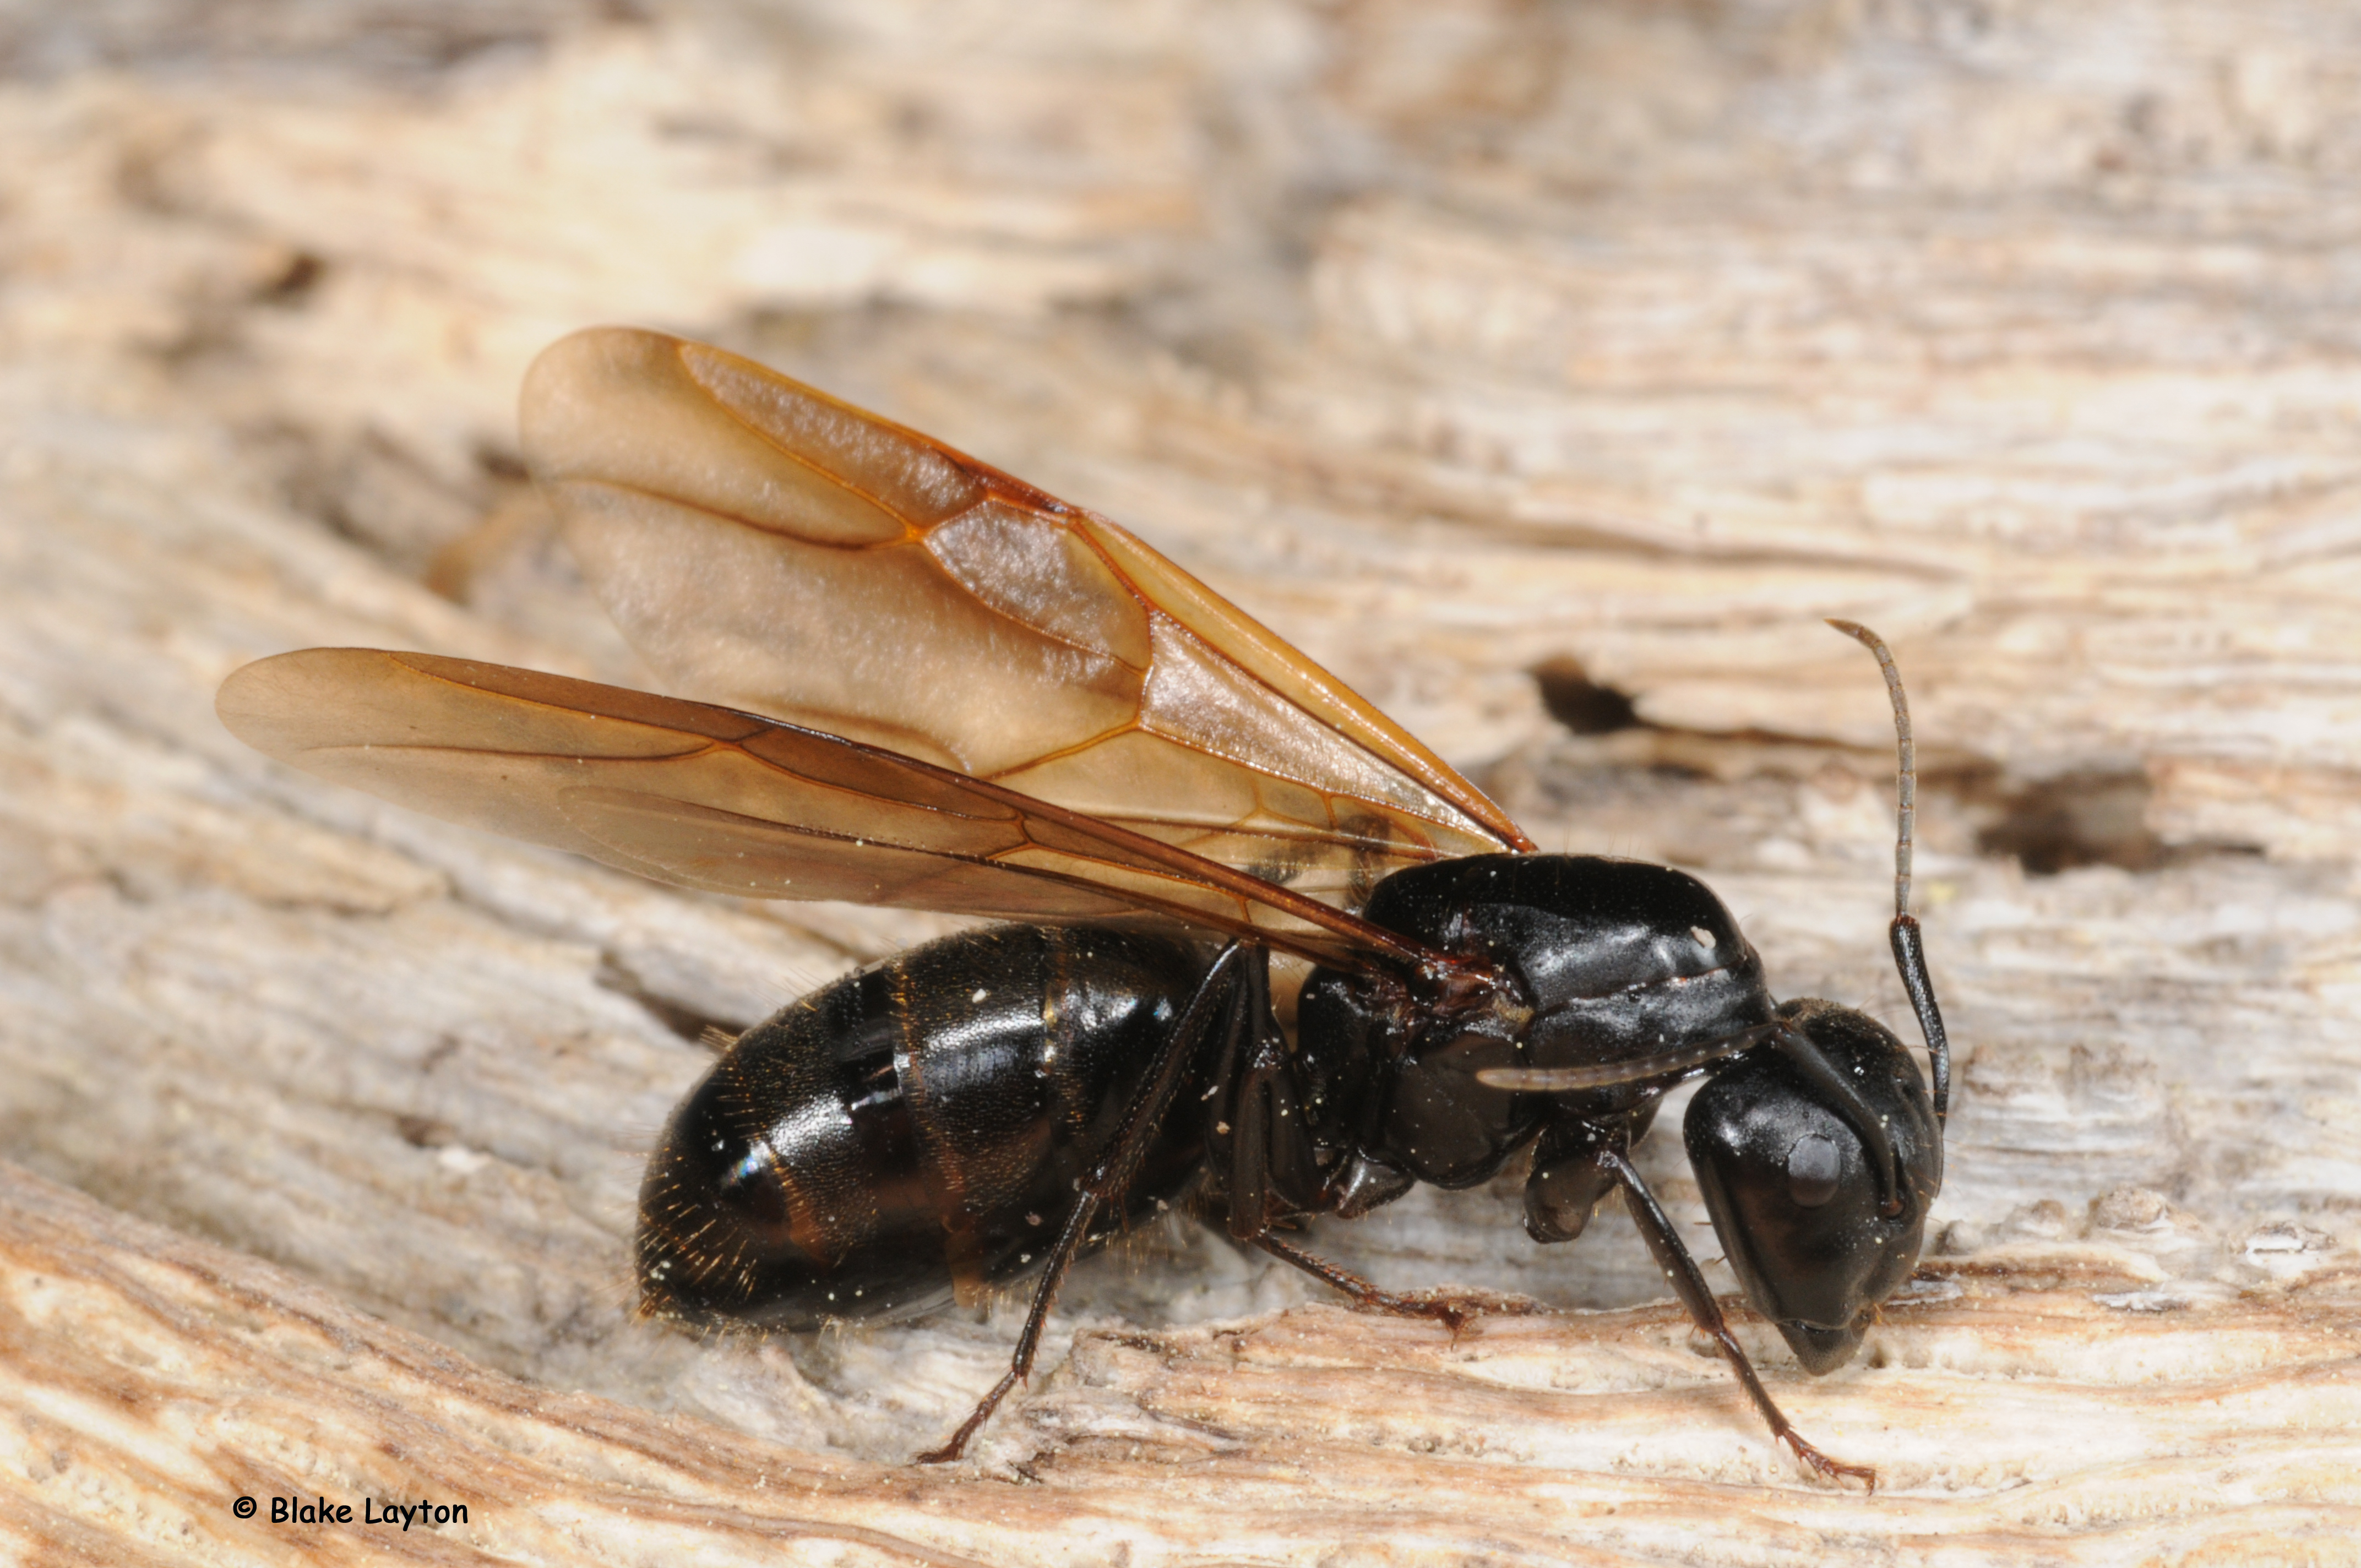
(1454,1310)
(1261,1151)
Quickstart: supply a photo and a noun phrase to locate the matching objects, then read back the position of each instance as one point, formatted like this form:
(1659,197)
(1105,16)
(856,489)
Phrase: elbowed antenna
(1909,955)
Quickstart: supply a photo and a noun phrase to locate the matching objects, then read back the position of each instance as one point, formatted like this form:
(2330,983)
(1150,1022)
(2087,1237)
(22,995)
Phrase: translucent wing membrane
(770,548)
(706,797)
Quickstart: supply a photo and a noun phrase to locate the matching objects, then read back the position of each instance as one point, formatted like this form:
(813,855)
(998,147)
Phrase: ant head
(1816,1225)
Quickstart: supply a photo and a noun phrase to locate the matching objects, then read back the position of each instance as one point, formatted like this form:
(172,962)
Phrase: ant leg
(1258,1143)
(1689,1285)
(1568,1181)
(1218,993)
(1263,1151)
(1454,1312)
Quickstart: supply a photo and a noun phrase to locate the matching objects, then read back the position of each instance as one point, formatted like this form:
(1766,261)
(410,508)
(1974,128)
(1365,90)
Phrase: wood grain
(1617,342)
(172,1376)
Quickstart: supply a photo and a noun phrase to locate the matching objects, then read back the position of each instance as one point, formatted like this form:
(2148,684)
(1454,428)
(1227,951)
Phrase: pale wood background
(1458,341)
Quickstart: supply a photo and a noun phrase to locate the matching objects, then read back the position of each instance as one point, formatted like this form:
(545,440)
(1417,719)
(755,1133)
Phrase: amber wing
(770,548)
(704,797)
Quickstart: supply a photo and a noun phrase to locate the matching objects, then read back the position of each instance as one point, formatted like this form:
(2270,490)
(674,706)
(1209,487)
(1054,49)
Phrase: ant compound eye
(1814,1164)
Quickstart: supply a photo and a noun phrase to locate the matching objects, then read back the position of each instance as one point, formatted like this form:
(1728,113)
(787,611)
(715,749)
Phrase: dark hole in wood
(2077,819)
(295,281)
(425,1131)
(499,463)
(1579,702)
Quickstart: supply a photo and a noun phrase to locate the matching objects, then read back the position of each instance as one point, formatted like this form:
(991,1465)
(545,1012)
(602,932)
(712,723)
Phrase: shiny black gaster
(913,1132)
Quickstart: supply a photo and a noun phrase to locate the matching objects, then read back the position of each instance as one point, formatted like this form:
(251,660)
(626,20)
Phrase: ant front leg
(1689,1285)
(1221,1003)
(1569,1181)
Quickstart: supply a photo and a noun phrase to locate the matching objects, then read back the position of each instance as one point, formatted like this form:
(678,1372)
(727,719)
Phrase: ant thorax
(1602,961)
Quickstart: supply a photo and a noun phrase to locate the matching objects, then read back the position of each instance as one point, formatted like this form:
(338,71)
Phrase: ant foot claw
(1829,1469)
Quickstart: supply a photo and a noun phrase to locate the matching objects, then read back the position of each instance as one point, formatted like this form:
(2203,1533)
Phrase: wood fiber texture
(1547,372)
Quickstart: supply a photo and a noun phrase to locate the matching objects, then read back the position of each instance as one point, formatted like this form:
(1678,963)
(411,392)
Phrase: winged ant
(923,683)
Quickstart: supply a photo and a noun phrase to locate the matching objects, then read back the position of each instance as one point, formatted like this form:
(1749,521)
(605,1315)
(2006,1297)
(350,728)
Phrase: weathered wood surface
(2220,1432)
(1457,341)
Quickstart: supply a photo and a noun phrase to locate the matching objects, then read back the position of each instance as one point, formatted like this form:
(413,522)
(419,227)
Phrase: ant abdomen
(913,1132)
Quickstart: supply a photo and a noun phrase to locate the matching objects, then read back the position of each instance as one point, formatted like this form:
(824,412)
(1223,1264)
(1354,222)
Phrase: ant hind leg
(1216,1005)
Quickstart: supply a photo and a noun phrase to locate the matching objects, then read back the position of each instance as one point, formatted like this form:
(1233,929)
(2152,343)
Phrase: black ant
(945,689)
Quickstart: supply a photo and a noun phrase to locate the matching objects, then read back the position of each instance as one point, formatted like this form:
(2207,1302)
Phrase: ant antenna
(1909,955)
(1906,812)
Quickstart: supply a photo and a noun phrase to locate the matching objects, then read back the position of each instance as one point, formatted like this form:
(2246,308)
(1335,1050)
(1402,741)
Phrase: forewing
(772,549)
(706,797)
